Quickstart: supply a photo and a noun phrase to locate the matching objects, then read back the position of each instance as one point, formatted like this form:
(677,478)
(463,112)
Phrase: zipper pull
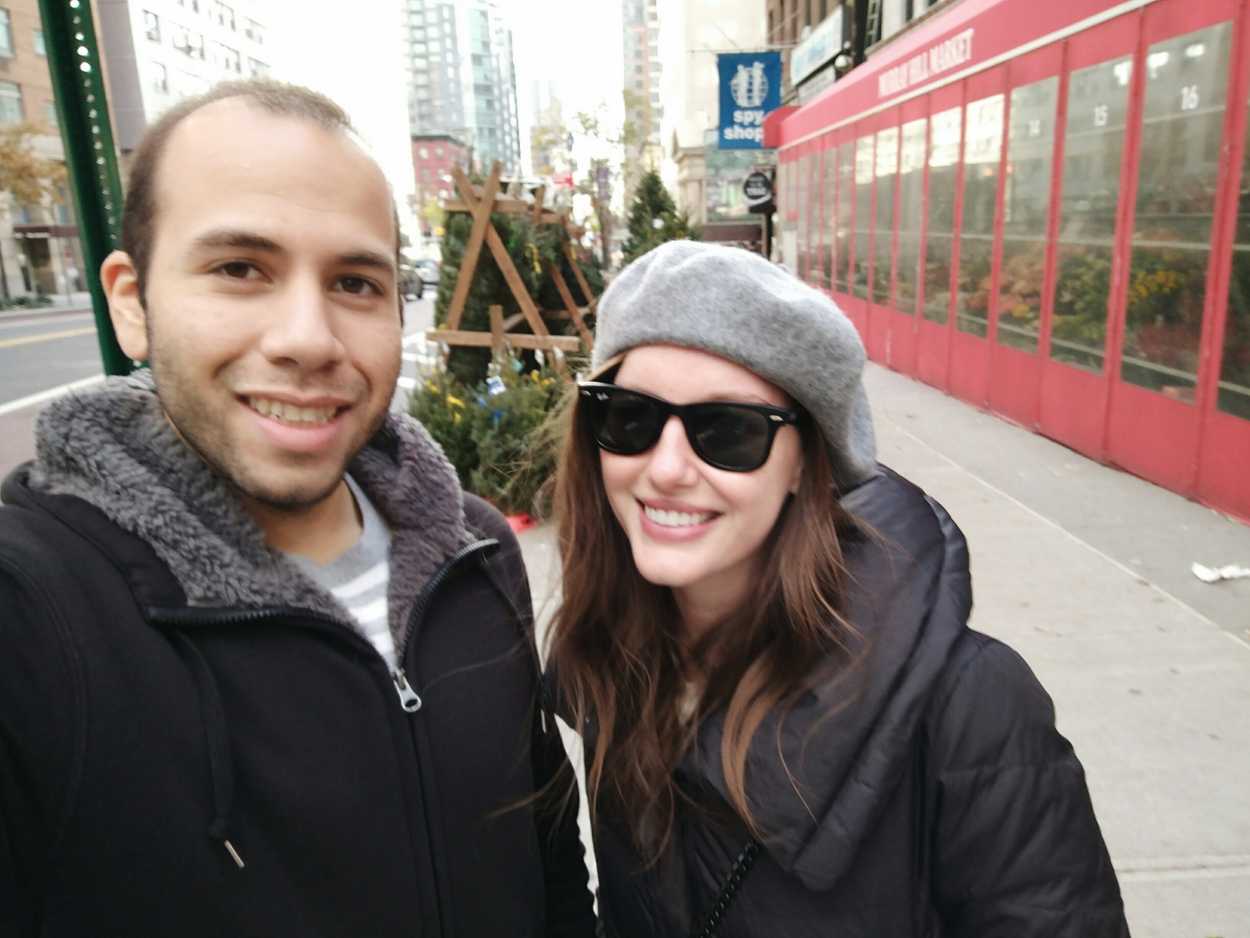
(408,698)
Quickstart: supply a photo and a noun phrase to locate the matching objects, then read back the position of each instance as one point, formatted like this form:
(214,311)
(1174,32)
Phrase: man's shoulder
(485,520)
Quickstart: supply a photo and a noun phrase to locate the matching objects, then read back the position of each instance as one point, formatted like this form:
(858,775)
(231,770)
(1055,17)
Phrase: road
(43,352)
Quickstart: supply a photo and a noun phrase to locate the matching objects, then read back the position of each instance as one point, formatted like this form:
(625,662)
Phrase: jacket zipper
(409,699)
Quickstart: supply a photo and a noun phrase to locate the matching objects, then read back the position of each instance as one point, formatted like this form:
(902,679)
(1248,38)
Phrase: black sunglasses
(727,435)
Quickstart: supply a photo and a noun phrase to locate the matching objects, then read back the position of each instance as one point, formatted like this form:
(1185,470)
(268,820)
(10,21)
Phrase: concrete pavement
(1085,571)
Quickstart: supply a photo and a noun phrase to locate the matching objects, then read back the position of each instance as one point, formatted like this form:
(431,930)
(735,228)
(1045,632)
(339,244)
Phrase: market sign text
(947,54)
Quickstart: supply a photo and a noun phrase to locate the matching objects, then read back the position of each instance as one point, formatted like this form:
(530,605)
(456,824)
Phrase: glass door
(1154,417)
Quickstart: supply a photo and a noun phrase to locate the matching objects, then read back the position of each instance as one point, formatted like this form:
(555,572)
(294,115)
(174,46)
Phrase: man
(264,669)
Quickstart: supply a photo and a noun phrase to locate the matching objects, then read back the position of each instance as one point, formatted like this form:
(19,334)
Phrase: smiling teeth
(289,413)
(676,519)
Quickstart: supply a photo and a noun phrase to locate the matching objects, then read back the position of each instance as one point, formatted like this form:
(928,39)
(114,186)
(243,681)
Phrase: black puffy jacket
(932,798)
(195,741)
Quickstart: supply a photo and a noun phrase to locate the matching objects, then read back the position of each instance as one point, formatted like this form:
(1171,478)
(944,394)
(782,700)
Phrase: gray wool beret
(735,304)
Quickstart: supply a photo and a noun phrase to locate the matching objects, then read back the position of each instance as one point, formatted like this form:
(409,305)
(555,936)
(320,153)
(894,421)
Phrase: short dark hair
(278,98)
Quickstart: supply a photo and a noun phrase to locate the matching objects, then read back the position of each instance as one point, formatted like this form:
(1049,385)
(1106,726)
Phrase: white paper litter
(1215,574)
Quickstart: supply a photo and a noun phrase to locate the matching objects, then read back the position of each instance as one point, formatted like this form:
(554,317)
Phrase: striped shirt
(358,577)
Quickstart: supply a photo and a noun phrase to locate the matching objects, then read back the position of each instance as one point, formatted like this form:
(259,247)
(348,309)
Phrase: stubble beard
(195,427)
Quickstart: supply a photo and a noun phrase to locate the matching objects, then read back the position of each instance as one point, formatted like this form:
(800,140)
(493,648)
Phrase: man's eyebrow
(237,238)
(368,259)
(250,240)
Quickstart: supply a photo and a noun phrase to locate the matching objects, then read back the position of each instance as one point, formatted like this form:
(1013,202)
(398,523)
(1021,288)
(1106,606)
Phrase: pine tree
(653,204)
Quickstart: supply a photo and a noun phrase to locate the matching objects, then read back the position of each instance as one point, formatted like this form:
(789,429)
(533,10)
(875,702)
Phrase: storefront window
(828,255)
(1026,199)
(1093,145)
(944,139)
(863,216)
(886,170)
(1234,394)
(1182,129)
(813,219)
(803,212)
(982,154)
(842,232)
(910,205)
(785,204)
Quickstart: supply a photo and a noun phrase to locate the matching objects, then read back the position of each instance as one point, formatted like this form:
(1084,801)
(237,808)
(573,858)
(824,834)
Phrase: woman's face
(692,527)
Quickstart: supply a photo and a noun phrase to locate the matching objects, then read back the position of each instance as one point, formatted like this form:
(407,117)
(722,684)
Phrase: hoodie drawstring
(216,740)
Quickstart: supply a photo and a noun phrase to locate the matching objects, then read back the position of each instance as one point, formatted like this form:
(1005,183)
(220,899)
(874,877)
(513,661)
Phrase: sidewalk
(1085,571)
(61,303)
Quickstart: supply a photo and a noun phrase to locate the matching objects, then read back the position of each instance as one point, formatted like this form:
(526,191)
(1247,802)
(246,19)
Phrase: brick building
(39,251)
(433,156)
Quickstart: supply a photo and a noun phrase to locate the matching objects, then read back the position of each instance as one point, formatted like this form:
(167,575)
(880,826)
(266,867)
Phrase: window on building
(258,68)
(910,215)
(6,33)
(11,111)
(423,153)
(1088,200)
(842,227)
(192,5)
(151,26)
(160,78)
(887,172)
(863,215)
(227,59)
(1234,387)
(223,13)
(1182,126)
(982,153)
(40,47)
(1026,203)
(49,114)
(945,135)
(254,31)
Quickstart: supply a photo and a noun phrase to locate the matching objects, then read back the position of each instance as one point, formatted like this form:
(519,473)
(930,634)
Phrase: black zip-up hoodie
(923,794)
(195,740)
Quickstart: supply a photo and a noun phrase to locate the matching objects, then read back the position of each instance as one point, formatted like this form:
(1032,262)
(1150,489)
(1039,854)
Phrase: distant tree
(653,218)
(30,178)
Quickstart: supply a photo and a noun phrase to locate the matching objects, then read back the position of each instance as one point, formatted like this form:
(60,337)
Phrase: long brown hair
(617,655)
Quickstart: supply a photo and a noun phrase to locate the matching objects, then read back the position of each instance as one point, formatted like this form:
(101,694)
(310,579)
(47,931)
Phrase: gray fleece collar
(112,447)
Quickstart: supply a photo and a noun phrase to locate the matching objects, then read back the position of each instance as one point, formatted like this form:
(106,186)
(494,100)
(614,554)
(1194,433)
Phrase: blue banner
(750,87)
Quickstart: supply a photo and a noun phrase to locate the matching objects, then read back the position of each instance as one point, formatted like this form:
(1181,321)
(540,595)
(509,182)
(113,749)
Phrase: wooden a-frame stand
(480,206)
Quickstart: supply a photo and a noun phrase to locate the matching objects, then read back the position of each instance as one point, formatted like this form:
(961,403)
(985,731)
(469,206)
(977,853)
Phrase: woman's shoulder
(989,709)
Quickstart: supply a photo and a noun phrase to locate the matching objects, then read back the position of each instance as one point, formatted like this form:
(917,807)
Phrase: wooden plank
(565,343)
(515,283)
(570,307)
(578,275)
(473,249)
(505,206)
(496,330)
(539,194)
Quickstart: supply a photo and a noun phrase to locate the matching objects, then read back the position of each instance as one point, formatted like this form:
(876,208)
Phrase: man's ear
(120,280)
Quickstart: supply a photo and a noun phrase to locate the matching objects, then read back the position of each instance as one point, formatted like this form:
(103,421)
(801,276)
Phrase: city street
(41,353)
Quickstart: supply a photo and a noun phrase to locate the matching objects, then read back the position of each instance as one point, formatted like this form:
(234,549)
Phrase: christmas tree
(654,219)
(533,248)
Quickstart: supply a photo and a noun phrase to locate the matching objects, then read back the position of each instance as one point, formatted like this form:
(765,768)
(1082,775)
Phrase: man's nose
(301,329)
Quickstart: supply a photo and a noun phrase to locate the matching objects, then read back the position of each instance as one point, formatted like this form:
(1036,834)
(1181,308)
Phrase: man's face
(272,322)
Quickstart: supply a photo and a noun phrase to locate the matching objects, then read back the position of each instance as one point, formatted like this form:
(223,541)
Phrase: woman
(789,728)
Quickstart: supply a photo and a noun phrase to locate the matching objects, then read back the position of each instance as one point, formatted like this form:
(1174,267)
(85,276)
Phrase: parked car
(411,283)
(428,269)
